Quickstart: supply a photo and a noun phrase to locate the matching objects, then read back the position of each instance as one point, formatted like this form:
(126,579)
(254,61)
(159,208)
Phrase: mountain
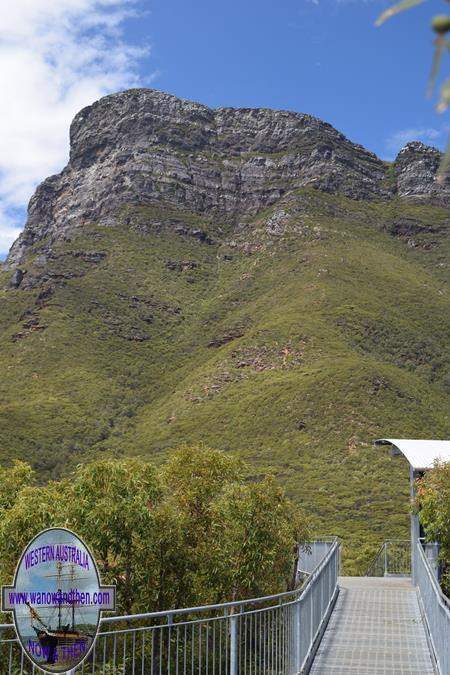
(247,278)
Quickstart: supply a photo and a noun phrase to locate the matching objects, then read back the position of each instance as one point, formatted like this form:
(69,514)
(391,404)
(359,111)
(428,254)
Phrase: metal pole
(234,642)
(415,530)
(297,628)
(385,559)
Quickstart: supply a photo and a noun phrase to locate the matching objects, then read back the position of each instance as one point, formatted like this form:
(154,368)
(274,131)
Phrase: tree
(31,510)
(195,475)
(113,505)
(256,533)
(193,531)
(12,480)
(241,536)
(433,505)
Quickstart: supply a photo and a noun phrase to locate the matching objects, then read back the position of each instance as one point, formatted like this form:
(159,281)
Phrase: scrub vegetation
(291,342)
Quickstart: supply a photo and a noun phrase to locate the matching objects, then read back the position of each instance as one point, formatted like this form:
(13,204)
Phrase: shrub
(433,504)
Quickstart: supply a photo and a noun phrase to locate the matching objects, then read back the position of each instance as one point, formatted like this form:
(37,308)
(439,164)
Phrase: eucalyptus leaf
(437,58)
(396,9)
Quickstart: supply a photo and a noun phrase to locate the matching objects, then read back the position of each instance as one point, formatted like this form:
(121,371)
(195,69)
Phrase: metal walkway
(376,627)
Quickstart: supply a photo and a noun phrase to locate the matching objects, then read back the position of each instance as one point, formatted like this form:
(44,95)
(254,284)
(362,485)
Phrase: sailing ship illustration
(71,636)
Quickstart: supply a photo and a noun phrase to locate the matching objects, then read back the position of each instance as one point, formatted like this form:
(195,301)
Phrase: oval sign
(57,599)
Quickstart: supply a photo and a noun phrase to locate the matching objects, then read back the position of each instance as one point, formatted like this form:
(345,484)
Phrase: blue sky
(323,57)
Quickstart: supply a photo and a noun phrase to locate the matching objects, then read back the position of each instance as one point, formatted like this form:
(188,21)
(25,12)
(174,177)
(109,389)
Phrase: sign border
(6,588)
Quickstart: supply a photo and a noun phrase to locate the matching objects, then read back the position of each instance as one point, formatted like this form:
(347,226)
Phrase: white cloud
(8,233)
(428,135)
(56,56)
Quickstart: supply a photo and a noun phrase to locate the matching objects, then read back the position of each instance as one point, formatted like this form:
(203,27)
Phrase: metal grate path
(375,628)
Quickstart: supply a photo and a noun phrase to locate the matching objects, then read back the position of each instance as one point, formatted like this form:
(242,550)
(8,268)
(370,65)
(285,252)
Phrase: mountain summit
(143,146)
(249,279)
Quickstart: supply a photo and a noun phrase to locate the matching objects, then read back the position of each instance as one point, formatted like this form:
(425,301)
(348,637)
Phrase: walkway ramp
(376,628)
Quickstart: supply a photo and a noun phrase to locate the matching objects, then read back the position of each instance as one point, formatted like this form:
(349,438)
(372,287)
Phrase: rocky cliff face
(143,146)
(416,167)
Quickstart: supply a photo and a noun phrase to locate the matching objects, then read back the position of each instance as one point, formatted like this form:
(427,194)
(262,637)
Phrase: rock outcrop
(143,146)
(416,166)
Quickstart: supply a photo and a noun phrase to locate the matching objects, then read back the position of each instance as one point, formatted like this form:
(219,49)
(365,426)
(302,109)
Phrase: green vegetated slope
(293,340)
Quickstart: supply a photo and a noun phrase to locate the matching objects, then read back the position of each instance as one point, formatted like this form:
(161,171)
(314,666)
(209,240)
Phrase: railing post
(415,529)
(297,651)
(385,559)
(234,641)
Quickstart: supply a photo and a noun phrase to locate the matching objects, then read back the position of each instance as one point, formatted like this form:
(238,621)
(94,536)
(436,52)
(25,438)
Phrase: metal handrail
(223,605)
(374,560)
(435,608)
(432,577)
(382,559)
(274,633)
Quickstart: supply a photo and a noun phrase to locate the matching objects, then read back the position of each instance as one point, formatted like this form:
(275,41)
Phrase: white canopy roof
(421,454)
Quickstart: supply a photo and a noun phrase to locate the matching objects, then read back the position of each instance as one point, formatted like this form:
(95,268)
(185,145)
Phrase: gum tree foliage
(440,25)
(433,505)
(255,534)
(12,480)
(193,531)
(113,506)
(25,510)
